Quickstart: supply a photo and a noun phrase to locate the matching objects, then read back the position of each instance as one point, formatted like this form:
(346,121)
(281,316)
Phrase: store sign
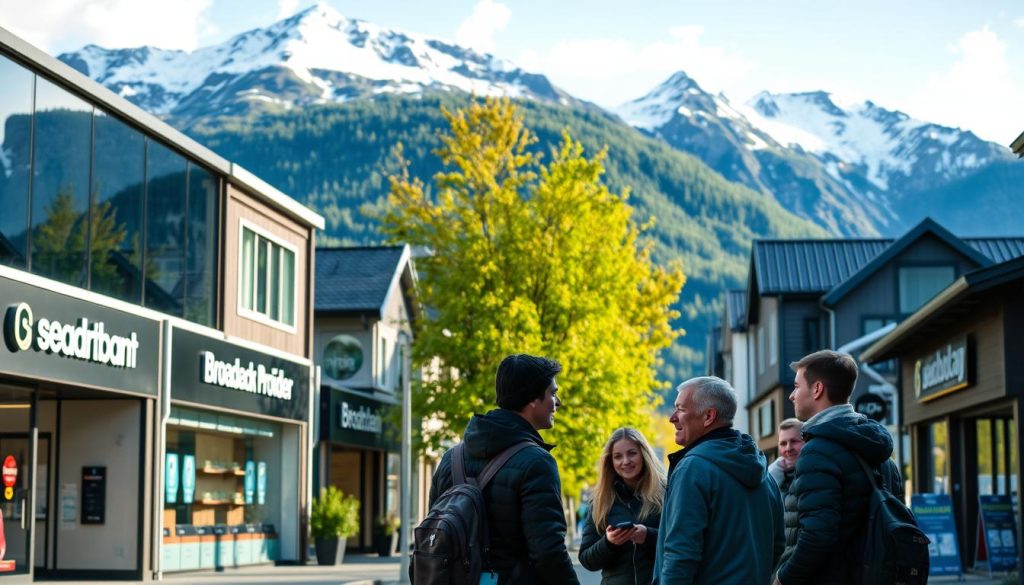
(360,421)
(942,372)
(10,471)
(83,340)
(343,357)
(94,495)
(934,513)
(872,406)
(210,371)
(999,528)
(65,339)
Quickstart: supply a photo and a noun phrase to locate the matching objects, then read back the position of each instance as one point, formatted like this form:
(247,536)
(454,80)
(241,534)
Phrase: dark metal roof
(736,308)
(818,266)
(810,266)
(1017,146)
(356,280)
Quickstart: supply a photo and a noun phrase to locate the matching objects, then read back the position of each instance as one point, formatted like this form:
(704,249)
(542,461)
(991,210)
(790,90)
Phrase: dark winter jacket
(625,564)
(832,491)
(785,480)
(722,521)
(524,500)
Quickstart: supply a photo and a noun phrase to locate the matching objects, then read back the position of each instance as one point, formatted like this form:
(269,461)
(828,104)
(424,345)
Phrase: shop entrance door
(17,452)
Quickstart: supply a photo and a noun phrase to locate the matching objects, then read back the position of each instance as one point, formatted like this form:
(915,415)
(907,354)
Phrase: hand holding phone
(623,525)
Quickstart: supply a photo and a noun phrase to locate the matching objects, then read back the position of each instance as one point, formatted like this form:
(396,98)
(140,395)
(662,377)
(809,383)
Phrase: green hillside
(336,158)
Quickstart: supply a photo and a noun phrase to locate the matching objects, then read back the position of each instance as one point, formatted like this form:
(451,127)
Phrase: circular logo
(18,327)
(10,471)
(872,406)
(343,357)
(8,493)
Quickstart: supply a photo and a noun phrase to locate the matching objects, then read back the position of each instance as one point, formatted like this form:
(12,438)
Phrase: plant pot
(382,544)
(329,550)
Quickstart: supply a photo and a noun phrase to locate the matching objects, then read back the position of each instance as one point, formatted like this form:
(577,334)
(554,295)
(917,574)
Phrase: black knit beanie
(523,378)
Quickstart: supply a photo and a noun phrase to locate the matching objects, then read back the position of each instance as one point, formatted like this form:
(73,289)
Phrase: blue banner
(188,478)
(171,478)
(250,481)
(261,483)
(934,513)
(1000,531)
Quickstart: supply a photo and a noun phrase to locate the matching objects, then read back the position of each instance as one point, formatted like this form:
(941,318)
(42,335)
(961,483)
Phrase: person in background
(783,470)
(630,489)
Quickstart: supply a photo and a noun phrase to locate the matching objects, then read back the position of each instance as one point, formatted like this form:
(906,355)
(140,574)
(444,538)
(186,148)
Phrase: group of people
(721,515)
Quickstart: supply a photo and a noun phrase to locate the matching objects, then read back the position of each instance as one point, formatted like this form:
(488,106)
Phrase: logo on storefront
(360,419)
(84,340)
(942,372)
(10,476)
(254,379)
(343,357)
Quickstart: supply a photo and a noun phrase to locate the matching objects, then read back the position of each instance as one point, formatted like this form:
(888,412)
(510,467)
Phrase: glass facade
(93,202)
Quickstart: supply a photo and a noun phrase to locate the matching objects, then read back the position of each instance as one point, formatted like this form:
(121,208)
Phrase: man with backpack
(832,488)
(523,528)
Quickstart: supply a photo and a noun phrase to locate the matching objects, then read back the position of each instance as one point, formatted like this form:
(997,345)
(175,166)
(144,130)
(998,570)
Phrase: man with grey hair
(722,522)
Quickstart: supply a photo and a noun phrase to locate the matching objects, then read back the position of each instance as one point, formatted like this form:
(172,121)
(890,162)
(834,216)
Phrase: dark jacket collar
(719,433)
(489,434)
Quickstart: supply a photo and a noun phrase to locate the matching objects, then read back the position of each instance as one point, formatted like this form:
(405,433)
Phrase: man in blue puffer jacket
(830,486)
(722,523)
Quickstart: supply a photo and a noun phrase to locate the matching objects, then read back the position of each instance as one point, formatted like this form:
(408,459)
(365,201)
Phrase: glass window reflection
(118,178)
(15,157)
(165,230)
(60,184)
(202,245)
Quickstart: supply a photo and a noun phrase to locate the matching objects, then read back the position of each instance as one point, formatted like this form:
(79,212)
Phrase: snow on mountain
(327,56)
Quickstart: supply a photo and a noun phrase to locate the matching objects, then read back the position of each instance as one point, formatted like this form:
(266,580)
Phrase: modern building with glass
(155,380)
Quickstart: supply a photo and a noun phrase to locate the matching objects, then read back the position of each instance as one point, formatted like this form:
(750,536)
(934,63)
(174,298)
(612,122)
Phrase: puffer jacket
(524,500)
(625,564)
(785,480)
(722,522)
(832,492)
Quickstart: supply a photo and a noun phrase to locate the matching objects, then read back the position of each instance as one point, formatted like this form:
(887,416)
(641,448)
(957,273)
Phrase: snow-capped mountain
(315,56)
(858,169)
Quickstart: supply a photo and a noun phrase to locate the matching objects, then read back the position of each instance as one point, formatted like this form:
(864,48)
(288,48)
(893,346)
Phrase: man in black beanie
(524,499)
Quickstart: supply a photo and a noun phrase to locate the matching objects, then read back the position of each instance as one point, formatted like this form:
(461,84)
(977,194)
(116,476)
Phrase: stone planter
(329,550)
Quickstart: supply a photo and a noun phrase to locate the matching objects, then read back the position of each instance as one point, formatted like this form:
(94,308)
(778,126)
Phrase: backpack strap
(498,462)
(458,464)
(875,485)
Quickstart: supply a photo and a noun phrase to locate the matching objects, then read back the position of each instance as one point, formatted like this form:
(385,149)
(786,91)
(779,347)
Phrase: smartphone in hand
(623,525)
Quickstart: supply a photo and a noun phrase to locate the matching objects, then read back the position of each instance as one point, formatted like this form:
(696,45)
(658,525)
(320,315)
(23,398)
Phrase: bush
(334,514)
(388,524)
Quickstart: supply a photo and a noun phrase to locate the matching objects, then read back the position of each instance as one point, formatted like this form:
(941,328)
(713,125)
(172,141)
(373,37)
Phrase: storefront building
(962,383)
(155,373)
(365,308)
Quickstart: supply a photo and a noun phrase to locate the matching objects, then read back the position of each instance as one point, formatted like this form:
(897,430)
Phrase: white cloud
(977,92)
(63,25)
(1019,22)
(611,71)
(478,30)
(286,8)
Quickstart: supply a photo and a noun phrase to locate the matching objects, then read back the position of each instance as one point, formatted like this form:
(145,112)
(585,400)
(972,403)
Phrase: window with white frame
(267,278)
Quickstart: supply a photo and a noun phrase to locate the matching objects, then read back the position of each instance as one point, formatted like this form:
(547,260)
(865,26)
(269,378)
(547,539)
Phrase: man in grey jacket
(722,522)
(783,471)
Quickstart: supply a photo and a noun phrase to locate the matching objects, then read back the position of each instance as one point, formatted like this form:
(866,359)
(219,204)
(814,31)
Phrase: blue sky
(953,62)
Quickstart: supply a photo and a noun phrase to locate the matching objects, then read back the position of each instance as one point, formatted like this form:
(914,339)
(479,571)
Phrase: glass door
(17,449)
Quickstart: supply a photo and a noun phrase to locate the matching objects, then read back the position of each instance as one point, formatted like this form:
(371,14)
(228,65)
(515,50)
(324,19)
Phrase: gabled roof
(736,308)
(926,227)
(819,266)
(946,302)
(359,280)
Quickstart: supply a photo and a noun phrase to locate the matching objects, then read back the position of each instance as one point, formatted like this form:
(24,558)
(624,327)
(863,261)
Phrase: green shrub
(334,514)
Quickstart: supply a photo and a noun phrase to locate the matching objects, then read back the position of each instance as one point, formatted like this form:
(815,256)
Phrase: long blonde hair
(650,488)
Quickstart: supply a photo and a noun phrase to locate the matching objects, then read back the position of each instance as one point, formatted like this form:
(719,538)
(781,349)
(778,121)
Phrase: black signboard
(94,495)
(65,339)
(359,421)
(943,371)
(872,406)
(205,370)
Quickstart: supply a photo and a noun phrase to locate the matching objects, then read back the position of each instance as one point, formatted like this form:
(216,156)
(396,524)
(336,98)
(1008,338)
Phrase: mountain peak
(680,94)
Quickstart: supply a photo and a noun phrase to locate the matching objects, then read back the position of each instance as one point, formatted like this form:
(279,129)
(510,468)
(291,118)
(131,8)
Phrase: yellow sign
(8,493)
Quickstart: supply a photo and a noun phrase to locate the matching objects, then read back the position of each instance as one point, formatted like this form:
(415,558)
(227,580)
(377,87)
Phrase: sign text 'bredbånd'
(942,372)
(255,379)
(83,340)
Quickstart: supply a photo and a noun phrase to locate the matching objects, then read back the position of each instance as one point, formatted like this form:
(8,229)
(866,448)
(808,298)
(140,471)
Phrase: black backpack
(895,549)
(452,544)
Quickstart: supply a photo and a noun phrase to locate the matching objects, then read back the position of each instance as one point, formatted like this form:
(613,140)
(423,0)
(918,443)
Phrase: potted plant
(334,518)
(385,534)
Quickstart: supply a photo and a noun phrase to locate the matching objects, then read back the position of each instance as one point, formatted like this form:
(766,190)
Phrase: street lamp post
(406,474)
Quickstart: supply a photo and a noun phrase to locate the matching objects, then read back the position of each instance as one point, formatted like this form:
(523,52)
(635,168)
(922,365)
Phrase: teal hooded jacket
(722,523)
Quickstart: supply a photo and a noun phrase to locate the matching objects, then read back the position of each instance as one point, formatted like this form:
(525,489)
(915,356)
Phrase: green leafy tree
(537,258)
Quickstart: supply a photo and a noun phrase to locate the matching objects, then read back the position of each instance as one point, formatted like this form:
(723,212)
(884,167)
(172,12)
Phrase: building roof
(359,280)
(819,266)
(954,296)
(64,75)
(736,308)
(1018,145)
(926,227)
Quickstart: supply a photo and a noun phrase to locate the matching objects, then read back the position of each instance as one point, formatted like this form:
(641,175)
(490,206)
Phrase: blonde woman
(621,531)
